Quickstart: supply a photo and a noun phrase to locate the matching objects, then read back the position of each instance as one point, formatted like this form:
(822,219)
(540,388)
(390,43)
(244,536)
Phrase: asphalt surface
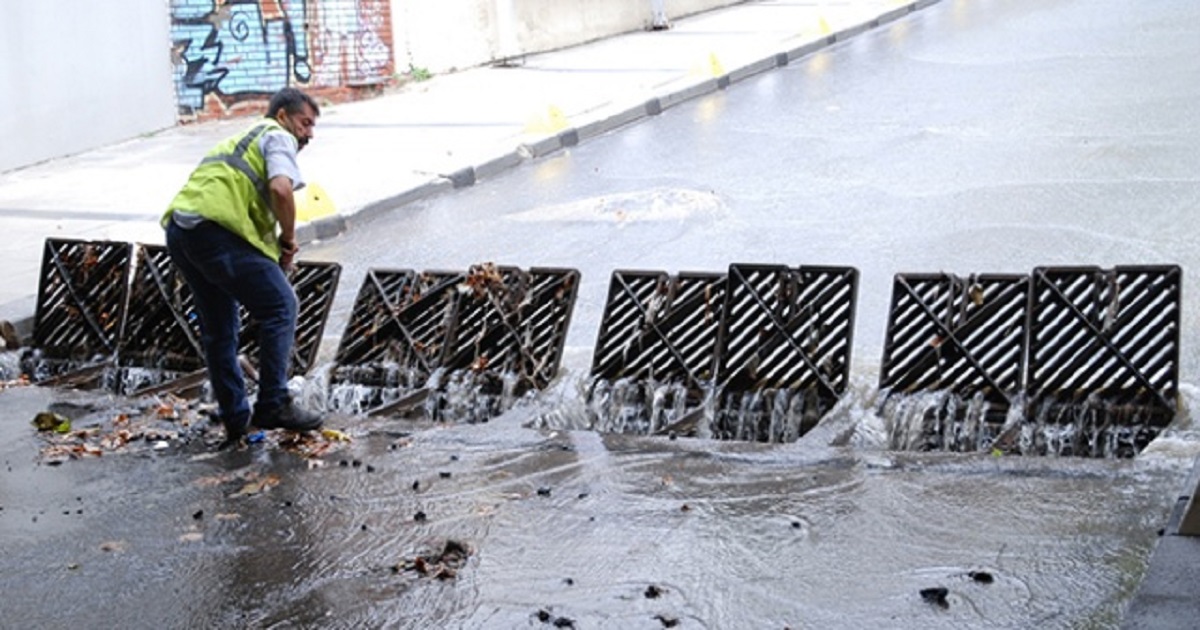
(430,138)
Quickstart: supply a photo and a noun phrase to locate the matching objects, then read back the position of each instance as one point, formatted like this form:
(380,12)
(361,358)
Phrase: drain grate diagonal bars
(315,284)
(142,324)
(1104,355)
(82,296)
(654,357)
(513,322)
(161,330)
(759,353)
(544,322)
(660,328)
(784,356)
(953,359)
(397,329)
(452,343)
(955,334)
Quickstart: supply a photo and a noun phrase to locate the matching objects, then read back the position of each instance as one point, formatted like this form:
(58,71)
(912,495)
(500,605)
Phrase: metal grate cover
(399,320)
(1107,336)
(786,328)
(81,299)
(511,321)
(784,356)
(471,327)
(162,331)
(1086,357)
(660,328)
(963,335)
(84,312)
(772,342)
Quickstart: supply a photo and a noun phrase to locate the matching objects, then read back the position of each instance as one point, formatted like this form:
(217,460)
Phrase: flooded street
(607,531)
(986,136)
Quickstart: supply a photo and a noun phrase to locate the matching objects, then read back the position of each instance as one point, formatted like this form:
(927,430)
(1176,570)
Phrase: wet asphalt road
(981,136)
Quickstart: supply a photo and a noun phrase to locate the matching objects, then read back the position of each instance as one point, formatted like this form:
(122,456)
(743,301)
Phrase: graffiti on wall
(236,50)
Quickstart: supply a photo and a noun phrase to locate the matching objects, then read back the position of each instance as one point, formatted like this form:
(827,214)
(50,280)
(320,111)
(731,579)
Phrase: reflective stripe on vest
(237,160)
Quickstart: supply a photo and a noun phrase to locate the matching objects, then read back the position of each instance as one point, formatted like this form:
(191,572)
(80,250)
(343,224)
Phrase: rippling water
(606,530)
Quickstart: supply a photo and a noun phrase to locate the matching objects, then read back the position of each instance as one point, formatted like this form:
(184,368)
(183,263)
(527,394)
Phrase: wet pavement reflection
(413,524)
(973,137)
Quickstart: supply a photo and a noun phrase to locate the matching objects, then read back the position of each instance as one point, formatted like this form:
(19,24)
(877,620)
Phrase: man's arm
(279,148)
(283,204)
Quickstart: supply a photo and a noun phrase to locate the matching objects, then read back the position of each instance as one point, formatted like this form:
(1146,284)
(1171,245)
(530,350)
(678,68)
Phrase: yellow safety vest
(229,187)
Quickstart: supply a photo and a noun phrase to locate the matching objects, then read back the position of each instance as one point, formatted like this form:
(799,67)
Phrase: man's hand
(287,254)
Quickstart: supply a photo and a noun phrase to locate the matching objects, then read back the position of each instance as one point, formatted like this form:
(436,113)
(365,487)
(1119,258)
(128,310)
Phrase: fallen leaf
(114,545)
(256,487)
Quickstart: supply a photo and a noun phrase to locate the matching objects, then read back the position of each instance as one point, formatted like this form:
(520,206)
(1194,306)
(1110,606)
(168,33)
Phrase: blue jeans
(224,271)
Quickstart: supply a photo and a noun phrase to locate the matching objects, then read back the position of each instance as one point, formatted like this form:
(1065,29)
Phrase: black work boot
(235,430)
(286,416)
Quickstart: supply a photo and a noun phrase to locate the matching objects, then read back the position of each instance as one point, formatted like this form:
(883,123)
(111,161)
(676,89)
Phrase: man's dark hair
(290,100)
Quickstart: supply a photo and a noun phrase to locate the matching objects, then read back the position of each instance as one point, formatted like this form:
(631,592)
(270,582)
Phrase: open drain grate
(1069,361)
(452,344)
(654,357)
(784,358)
(80,306)
(395,336)
(162,331)
(772,343)
(140,330)
(1104,356)
(659,328)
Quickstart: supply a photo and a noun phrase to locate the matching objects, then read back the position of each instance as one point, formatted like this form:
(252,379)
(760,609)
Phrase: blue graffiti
(234,51)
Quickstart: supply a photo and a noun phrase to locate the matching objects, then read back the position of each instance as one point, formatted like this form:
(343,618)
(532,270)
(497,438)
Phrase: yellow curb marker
(711,67)
(312,203)
(553,120)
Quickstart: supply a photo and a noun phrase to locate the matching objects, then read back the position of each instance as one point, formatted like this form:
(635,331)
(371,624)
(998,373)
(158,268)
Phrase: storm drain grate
(659,328)
(98,323)
(758,353)
(161,331)
(452,344)
(1104,355)
(1068,361)
(81,304)
(784,358)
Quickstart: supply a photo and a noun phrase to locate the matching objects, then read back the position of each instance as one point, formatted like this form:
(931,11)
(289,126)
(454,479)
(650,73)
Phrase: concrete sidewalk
(425,138)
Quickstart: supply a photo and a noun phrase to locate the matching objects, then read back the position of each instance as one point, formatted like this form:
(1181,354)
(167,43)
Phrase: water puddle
(557,515)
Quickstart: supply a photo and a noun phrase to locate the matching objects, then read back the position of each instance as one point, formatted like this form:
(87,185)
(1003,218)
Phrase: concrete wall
(78,74)
(441,36)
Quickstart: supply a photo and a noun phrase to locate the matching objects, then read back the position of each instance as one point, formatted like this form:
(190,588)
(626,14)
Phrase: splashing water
(10,366)
(944,421)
